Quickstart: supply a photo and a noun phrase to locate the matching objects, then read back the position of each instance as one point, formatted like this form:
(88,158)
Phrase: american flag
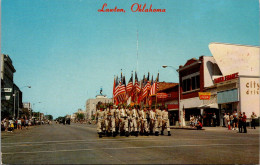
(153,88)
(115,90)
(147,87)
(137,85)
(129,86)
(157,82)
(121,96)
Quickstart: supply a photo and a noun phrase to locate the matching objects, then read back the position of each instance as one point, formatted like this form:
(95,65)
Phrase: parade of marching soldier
(123,82)
(133,111)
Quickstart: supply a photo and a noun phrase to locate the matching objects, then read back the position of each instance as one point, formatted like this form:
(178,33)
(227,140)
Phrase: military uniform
(158,125)
(133,117)
(100,116)
(117,120)
(123,122)
(108,121)
(143,122)
(153,121)
(165,122)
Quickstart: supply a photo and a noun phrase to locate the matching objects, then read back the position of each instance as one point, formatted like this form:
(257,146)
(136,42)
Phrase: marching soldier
(113,119)
(133,117)
(158,126)
(108,120)
(117,119)
(143,119)
(153,120)
(165,122)
(100,117)
(123,122)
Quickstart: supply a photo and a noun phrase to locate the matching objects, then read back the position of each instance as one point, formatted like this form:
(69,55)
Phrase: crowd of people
(9,124)
(234,121)
(131,120)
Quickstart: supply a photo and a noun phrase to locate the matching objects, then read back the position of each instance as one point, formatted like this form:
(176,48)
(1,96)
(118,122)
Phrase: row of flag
(135,92)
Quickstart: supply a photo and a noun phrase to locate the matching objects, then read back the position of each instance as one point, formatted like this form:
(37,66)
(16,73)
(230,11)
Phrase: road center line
(91,149)
(89,142)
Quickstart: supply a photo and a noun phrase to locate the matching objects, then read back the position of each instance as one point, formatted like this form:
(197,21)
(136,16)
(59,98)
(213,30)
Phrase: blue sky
(66,50)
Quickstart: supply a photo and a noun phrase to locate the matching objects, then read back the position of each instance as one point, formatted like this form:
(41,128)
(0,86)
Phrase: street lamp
(179,92)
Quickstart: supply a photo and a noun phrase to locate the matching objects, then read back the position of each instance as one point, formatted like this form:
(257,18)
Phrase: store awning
(204,106)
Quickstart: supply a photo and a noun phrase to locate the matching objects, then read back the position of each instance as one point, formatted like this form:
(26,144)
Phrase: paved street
(79,143)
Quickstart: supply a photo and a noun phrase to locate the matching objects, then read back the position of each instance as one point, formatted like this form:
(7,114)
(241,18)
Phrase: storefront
(238,87)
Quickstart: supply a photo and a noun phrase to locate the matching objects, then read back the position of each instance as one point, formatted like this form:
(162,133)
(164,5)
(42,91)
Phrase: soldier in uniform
(117,119)
(133,117)
(123,122)
(100,117)
(143,119)
(158,126)
(108,120)
(165,122)
(152,120)
(113,119)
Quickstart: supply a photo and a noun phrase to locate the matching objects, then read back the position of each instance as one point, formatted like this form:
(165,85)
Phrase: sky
(66,50)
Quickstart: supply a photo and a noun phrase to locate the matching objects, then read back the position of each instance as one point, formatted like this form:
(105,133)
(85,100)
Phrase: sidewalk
(218,129)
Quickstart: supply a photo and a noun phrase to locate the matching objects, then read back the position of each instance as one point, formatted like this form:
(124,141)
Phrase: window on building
(186,85)
(191,83)
(195,82)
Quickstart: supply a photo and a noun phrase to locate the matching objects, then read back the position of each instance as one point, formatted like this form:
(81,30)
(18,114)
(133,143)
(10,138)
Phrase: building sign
(162,95)
(204,95)
(250,94)
(6,90)
(226,78)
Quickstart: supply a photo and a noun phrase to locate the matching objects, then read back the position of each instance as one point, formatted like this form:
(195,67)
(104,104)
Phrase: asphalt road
(79,144)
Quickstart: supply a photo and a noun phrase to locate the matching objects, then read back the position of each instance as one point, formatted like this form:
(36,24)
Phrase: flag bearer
(158,126)
(133,117)
(143,119)
(108,120)
(113,119)
(165,122)
(153,120)
(100,116)
(123,122)
(117,119)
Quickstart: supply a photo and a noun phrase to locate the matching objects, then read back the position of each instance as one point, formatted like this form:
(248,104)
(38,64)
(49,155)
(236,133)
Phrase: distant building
(7,99)
(28,105)
(91,104)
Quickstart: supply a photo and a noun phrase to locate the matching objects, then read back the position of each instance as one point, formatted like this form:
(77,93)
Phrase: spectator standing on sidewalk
(240,123)
(228,122)
(253,119)
(26,123)
(244,122)
(6,124)
(214,117)
(235,122)
(23,122)
(231,118)
(225,120)
(19,123)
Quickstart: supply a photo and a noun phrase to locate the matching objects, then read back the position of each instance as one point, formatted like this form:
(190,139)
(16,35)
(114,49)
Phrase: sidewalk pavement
(218,129)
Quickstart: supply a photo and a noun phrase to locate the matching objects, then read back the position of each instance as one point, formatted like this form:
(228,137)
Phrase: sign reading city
(204,95)
(226,78)
(6,89)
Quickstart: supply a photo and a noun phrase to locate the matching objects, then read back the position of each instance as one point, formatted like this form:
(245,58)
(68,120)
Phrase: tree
(80,116)
(49,117)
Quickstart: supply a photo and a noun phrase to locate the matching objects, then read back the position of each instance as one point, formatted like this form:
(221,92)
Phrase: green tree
(80,116)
